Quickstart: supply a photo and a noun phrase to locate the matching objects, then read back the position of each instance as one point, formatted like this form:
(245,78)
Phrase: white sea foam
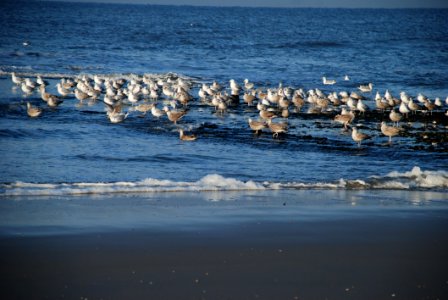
(211,182)
(415,179)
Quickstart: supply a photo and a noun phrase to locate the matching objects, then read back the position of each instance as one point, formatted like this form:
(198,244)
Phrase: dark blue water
(399,50)
(396,49)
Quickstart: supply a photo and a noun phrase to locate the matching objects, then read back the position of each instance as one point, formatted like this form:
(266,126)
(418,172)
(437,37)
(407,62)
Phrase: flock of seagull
(142,93)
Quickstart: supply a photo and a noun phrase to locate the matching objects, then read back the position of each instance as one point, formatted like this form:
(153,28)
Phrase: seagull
(62,91)
(234,85)
(429,105)
(405,98)
(357,96)
(328,81)
(33,111)
(256,125)
(362,107)
(133,98)
(248,85)
(153,94)
(413,106)
(345,119)
(277,128)
(215,87)
(174,116)
(113,101)
(67,83)
(380,104)
(358,136)
(40,81)
(265,114)
(404,109)
(144,108)
(117,117)
(366,88)
(185,137)
(15,79)
(222,106)
(249,98)
(26,89)
(167,91)
(202,92)
(421,98)
(53,101)
(298,100)
(157,112)
(80,95)
(389,131)
(395,116)
(114,114)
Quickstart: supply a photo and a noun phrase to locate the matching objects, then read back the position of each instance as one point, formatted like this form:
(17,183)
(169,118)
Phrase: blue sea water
(74,145)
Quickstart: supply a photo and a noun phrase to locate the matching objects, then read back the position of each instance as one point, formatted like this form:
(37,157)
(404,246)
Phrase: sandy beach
(271,245)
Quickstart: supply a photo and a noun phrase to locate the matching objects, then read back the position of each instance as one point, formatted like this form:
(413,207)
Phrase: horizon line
(123,2)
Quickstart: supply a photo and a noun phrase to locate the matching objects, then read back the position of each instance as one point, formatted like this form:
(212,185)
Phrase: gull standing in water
(395,117)
(359,136)
(249,98)
(17,80)
(174,116)
(80,95)
(266,115)
(345,118)
(328,81)
(248,85)
(413,106)
(157,112)
(361,106)
(144,108)
(62,91)
(33,111)
(53,101)
(277,128)
(429,105)
(185,137)
(366,88)
(41,81)
(404,109)
(26,89)
(256,125)
(389,131)
(115,115)
(438,102)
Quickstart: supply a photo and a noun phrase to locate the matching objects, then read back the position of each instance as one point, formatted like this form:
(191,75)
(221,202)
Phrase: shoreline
(73,214)
(289,245)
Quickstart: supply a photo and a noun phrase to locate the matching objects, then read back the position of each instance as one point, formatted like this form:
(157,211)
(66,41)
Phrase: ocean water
(75,149)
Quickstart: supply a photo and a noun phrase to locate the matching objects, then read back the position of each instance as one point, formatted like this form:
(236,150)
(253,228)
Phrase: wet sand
(286,250)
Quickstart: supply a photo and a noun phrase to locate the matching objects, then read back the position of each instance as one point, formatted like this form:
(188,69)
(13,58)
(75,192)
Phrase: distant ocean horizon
(260,4)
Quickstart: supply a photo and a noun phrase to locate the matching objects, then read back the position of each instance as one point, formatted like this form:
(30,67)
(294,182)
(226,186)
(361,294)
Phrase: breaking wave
(416,179)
